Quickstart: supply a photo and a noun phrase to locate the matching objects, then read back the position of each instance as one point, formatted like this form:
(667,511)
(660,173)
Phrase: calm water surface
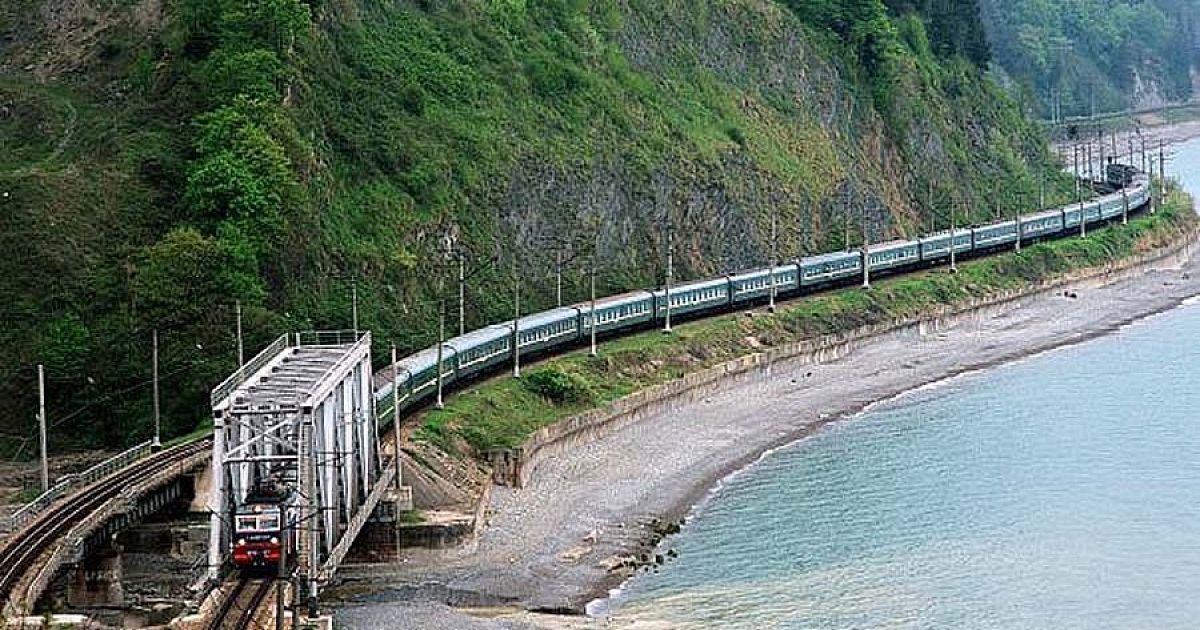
(1059,492)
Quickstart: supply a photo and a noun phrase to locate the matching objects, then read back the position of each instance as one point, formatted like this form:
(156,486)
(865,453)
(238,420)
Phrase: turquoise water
(1059,492)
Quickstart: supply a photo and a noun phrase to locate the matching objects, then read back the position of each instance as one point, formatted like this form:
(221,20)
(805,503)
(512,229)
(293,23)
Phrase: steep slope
(1073,57)
(173,158)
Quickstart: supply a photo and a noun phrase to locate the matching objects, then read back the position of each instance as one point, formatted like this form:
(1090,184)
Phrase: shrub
(559,387)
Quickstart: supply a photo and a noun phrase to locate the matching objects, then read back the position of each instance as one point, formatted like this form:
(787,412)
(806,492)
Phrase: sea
(1058,492)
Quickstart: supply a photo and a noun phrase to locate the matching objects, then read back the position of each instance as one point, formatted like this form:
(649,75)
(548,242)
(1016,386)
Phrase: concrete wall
(515,467)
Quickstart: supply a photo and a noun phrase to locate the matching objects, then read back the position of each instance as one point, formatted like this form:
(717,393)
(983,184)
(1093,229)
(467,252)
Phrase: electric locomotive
(264,531)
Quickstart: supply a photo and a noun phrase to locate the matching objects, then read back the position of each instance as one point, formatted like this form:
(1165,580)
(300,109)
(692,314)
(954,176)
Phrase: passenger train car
(466,356)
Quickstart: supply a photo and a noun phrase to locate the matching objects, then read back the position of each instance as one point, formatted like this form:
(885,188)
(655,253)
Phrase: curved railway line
(22,551)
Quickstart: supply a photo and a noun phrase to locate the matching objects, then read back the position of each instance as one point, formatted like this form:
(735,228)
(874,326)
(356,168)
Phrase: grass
(503,412)
(412,517)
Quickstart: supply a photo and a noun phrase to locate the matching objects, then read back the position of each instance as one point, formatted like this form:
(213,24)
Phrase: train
(264,532)
(465,357)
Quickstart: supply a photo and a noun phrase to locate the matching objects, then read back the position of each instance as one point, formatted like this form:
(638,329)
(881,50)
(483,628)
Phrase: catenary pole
(240,347)
(771,271)
(1079,196)
(1162,174)
(558,277)
(1017,219)
(42,426)
(593,311)
(866,251)
(157,418)
(516,343)
(396,438)
(354,307)
(462,295)
(670,276)
(953,237)
(441,338)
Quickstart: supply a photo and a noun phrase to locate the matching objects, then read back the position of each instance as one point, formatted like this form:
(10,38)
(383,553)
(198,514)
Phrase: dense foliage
(278,153)
(1080,56)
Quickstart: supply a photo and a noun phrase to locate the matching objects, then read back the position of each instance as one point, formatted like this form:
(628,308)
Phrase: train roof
(480,336)
(945,234)
(632,297)
(829,257)
(544,318)
(893,244)
(692,286)
(1045,214)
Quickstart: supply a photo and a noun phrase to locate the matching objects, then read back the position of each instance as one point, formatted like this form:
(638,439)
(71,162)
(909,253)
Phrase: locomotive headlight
(274,540)
(241,541)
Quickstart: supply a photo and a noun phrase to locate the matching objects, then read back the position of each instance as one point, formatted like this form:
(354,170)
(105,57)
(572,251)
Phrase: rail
(30,510)
(227,386)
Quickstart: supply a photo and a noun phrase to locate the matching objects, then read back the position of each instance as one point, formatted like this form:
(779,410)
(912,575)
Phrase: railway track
(21,552)
(238,609)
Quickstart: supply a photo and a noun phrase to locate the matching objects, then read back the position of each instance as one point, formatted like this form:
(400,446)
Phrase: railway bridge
(300,418)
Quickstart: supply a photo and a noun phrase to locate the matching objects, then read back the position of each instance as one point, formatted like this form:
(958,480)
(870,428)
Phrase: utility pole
(462,294)
(241,348)
(42,426)
(157,419)
(771,273)
(593,291)
(670,275)
(396,438)
(516,323)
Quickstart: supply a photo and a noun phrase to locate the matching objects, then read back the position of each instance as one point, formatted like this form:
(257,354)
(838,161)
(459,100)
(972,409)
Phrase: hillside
(168,159)
(1080,56)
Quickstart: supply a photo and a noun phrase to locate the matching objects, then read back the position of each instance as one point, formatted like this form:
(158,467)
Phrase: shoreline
(546,547)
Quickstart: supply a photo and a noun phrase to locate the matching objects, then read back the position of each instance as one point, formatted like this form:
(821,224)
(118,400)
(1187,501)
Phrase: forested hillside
(1080,56)
(165,159)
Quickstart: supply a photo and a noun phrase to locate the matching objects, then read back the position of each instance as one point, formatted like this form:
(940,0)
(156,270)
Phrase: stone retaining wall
(515,467)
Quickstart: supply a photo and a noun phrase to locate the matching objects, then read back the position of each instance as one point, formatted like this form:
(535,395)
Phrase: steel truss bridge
(300,415)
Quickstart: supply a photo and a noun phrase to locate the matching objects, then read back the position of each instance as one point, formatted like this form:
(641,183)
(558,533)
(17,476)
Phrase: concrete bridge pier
(95,581)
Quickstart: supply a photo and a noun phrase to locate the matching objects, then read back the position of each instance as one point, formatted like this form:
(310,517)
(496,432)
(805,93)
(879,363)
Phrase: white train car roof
(944,234)
(480,337)
(544,318)
(896,244)
(830,257)
(1045,214)
(615,300)
(711,283)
